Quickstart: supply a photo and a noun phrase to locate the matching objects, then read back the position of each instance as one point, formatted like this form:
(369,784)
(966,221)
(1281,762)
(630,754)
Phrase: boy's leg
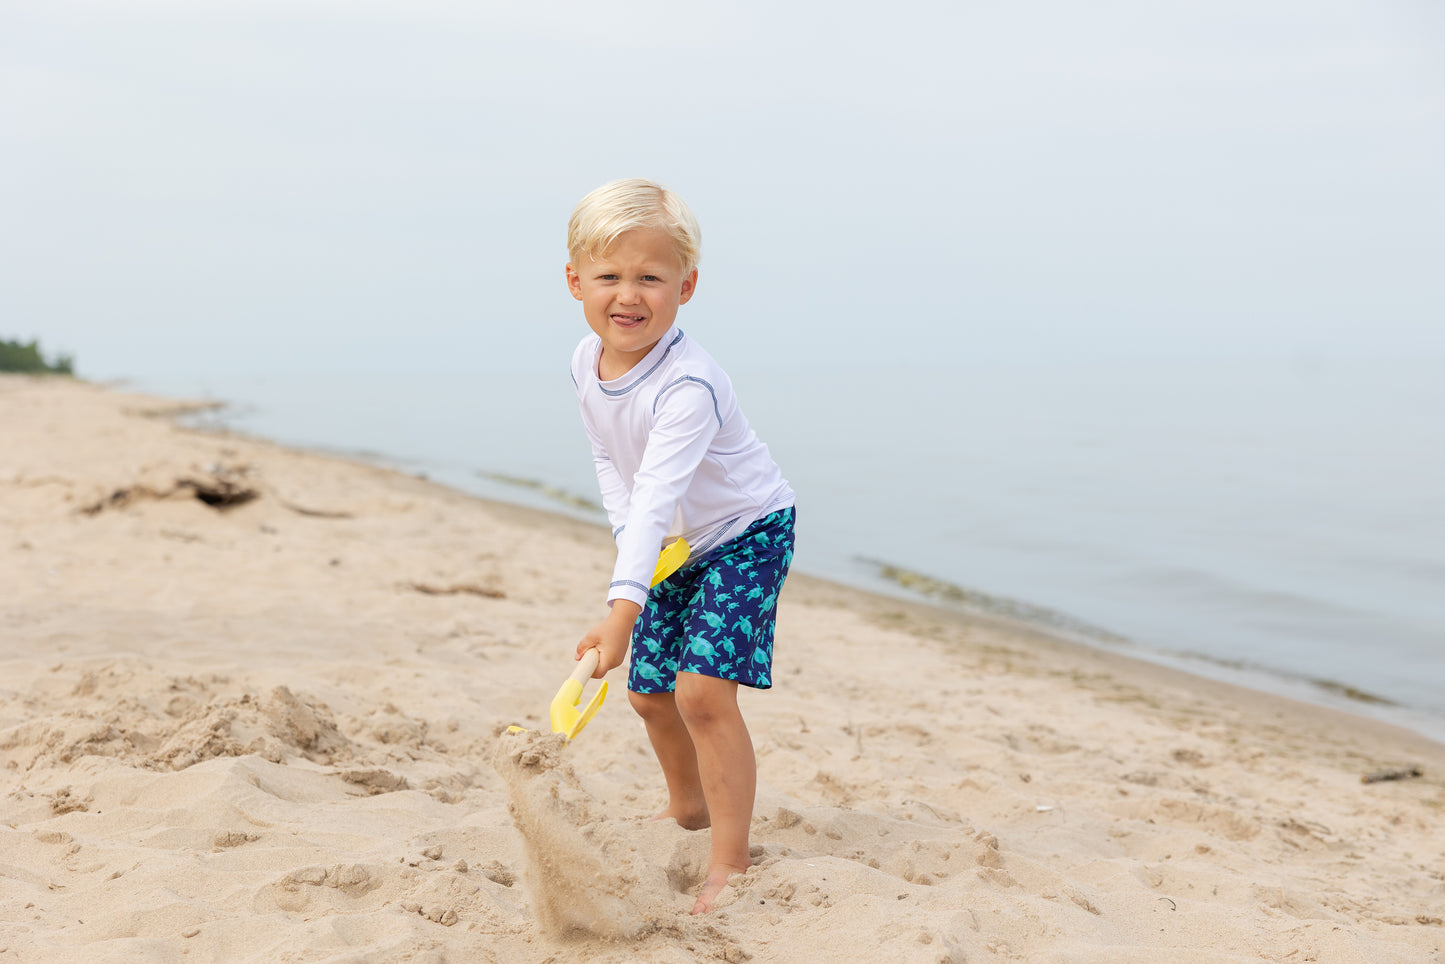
(686,801)
(728,770)
(703,632)
(656,647)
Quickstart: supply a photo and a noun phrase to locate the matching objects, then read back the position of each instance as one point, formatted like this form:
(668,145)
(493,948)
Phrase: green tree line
(16,356)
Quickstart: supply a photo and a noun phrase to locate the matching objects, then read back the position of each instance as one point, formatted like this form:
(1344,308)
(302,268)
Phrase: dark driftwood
(431,589)
(216,492)
(1402,773)
(219,492)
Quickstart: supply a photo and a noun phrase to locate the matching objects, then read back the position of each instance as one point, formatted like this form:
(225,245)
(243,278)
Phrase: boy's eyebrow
(602,268)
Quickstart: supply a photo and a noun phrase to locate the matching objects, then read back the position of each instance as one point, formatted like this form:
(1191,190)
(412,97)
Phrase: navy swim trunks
(716,616)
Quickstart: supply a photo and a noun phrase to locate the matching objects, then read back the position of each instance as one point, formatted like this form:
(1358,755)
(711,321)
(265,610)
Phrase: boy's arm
(687,422)
(685,427)
(609,480)
(615,497)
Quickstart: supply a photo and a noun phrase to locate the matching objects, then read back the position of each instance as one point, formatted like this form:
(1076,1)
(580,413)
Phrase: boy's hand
(611,637)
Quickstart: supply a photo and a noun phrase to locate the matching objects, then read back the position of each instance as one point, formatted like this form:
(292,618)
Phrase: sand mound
(172,724)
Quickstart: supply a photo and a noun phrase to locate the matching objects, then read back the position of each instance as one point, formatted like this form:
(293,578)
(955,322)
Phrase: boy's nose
(626,293)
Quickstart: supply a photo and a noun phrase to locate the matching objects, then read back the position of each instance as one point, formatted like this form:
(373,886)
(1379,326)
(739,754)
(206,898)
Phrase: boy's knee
(653,706)
(704,699)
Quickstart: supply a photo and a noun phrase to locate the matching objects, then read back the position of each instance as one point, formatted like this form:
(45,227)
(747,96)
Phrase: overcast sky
(275,187)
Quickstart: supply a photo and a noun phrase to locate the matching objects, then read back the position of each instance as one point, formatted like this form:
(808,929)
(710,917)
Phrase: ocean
(1279,524)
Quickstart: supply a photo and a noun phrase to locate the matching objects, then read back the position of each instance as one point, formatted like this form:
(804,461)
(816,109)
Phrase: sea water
(1280,524)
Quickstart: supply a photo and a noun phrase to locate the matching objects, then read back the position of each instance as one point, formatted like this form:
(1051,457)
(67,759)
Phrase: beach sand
(273,729)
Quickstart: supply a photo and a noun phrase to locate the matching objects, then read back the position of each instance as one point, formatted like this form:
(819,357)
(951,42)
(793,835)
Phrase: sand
(253,705)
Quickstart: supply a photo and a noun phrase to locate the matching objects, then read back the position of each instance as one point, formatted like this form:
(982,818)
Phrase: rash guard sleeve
(615,497)
(686,421)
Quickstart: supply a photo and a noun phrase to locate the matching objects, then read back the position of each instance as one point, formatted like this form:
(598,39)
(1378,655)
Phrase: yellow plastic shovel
(566,719)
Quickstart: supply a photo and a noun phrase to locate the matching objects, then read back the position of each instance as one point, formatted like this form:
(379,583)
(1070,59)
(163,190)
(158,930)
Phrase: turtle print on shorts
(716,616)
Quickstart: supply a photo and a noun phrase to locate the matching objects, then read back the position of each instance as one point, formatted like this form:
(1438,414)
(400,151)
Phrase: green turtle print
(716,616)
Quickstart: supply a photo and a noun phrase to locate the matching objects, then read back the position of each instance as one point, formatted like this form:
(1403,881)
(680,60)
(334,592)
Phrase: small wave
(935,588)
(1351,692)
(542,488)
(1334,687)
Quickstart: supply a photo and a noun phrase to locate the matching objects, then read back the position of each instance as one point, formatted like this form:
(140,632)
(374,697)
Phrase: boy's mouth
(628,321)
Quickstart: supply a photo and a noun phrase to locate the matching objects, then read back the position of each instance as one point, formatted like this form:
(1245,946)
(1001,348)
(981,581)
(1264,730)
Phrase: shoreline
(890,580)
(1298,712)
(295,703)
(919,608)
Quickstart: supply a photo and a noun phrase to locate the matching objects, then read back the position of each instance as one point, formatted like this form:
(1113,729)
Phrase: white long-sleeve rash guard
(674,454)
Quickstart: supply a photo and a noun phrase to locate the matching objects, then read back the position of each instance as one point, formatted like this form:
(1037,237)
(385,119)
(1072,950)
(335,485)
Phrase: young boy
(675,458)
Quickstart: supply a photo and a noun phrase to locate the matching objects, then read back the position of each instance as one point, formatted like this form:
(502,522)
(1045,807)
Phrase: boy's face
(630,295)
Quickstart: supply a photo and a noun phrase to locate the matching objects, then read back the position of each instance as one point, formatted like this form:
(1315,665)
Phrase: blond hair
(620,206)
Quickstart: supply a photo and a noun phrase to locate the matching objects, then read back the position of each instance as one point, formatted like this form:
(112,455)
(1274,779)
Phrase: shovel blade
(566,719)
(589,711)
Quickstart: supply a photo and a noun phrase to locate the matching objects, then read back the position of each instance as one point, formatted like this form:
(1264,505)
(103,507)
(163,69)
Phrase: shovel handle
(586,666)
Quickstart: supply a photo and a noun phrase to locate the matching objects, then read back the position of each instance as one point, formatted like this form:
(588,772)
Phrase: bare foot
(717,879)
(687,819)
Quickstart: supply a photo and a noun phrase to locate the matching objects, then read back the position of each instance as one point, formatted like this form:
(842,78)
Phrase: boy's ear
(689,285)
(574,282)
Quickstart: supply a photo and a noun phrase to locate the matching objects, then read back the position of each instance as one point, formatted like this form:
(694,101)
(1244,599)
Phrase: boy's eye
(650,277)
